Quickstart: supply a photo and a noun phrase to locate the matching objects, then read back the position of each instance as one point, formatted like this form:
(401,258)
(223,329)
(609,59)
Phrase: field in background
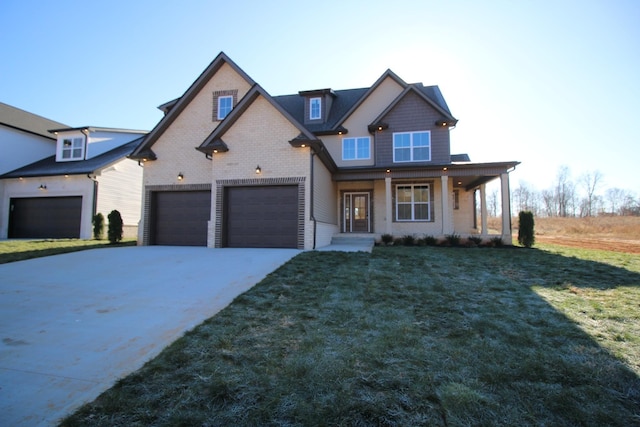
(613,233)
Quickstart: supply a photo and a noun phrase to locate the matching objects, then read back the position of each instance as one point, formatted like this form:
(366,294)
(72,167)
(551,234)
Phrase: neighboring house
(231,166)
(24,137)
(87,172)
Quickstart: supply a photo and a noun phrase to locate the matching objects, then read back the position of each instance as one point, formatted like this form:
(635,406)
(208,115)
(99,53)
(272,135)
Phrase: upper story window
(225,104)
(413,202)
(315,108)
(356,148)
(72,148)
(412,146)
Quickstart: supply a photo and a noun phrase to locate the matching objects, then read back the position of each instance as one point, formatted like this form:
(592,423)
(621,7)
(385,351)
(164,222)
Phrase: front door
(356,213)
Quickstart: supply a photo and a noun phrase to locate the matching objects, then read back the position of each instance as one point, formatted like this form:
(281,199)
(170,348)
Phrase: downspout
(311,210)
(95,196)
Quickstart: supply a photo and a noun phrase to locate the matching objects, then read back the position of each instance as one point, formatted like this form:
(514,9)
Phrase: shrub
(476,240)
(409,240)
(453,239)
(430,241)
(525,229)
(98,226)
(386,239)
(115,226)
(497,242)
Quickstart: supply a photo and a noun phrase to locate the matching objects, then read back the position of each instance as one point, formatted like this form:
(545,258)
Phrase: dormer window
(317,105)
(315,108)
(72,148)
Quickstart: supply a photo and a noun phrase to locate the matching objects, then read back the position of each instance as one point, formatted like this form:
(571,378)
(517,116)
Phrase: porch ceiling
(464,176)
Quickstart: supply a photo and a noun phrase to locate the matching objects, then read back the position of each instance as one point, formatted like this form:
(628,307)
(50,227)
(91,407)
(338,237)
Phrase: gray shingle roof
(343,101)
(28,122)
(49,166)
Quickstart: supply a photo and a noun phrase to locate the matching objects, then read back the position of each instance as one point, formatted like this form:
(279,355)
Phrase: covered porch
(370,202)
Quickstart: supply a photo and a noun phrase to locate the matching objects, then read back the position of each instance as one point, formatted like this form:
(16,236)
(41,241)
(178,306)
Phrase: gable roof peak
(173,110)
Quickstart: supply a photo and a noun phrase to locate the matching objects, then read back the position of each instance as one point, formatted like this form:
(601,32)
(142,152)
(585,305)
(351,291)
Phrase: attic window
(223,103)
(315,108)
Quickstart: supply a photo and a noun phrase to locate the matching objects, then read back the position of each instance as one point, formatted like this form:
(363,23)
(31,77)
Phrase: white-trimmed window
(356,148)
(225,104)
(72,148)
(412,146)
(413,202)
(315,108)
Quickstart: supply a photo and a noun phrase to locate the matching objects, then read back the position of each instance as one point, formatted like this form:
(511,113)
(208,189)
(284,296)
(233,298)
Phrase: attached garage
(261,216)
(180,218)
(45,217)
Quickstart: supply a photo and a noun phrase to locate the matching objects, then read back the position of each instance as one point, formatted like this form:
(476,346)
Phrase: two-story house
(231,166)
(85,172)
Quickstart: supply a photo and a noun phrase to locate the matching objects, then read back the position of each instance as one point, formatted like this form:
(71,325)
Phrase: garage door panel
(262,216)
(180,218)
(45,217)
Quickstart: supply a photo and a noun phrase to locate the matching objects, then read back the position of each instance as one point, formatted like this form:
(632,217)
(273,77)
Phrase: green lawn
(19,250)
(407,337)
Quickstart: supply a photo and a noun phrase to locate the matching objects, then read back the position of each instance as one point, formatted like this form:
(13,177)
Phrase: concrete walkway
(71,325)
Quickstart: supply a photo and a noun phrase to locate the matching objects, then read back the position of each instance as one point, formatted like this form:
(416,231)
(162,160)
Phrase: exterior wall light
(258,170)
(42,187)
(180,176)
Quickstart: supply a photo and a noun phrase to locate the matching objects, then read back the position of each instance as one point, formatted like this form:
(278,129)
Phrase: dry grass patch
(404,336)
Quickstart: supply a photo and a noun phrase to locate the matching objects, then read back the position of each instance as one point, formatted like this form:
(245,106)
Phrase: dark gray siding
(412,114)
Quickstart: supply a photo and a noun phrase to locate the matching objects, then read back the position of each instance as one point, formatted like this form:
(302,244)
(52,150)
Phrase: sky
(547,83)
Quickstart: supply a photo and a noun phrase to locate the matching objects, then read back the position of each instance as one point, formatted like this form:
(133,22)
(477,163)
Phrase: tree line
(584,197)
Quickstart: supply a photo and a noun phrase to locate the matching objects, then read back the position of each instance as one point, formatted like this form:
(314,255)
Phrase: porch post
(483,209)
(388,206)
(447,225)
(506,209)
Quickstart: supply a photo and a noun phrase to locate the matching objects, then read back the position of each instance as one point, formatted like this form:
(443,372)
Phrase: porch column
(388,206)
(506,209)
(483,210)
(447,222)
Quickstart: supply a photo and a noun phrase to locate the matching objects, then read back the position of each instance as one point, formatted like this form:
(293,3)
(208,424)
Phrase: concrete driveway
(71,325)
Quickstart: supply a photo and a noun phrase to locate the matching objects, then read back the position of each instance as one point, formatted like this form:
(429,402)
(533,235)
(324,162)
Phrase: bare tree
(615,198)
(525,198)
(590,181)
(630,205)
(565,192)
(549,203)
(492,203)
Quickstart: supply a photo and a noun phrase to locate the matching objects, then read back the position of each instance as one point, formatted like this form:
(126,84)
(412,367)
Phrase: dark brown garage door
(262,217)
(179,218)
(50,217)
